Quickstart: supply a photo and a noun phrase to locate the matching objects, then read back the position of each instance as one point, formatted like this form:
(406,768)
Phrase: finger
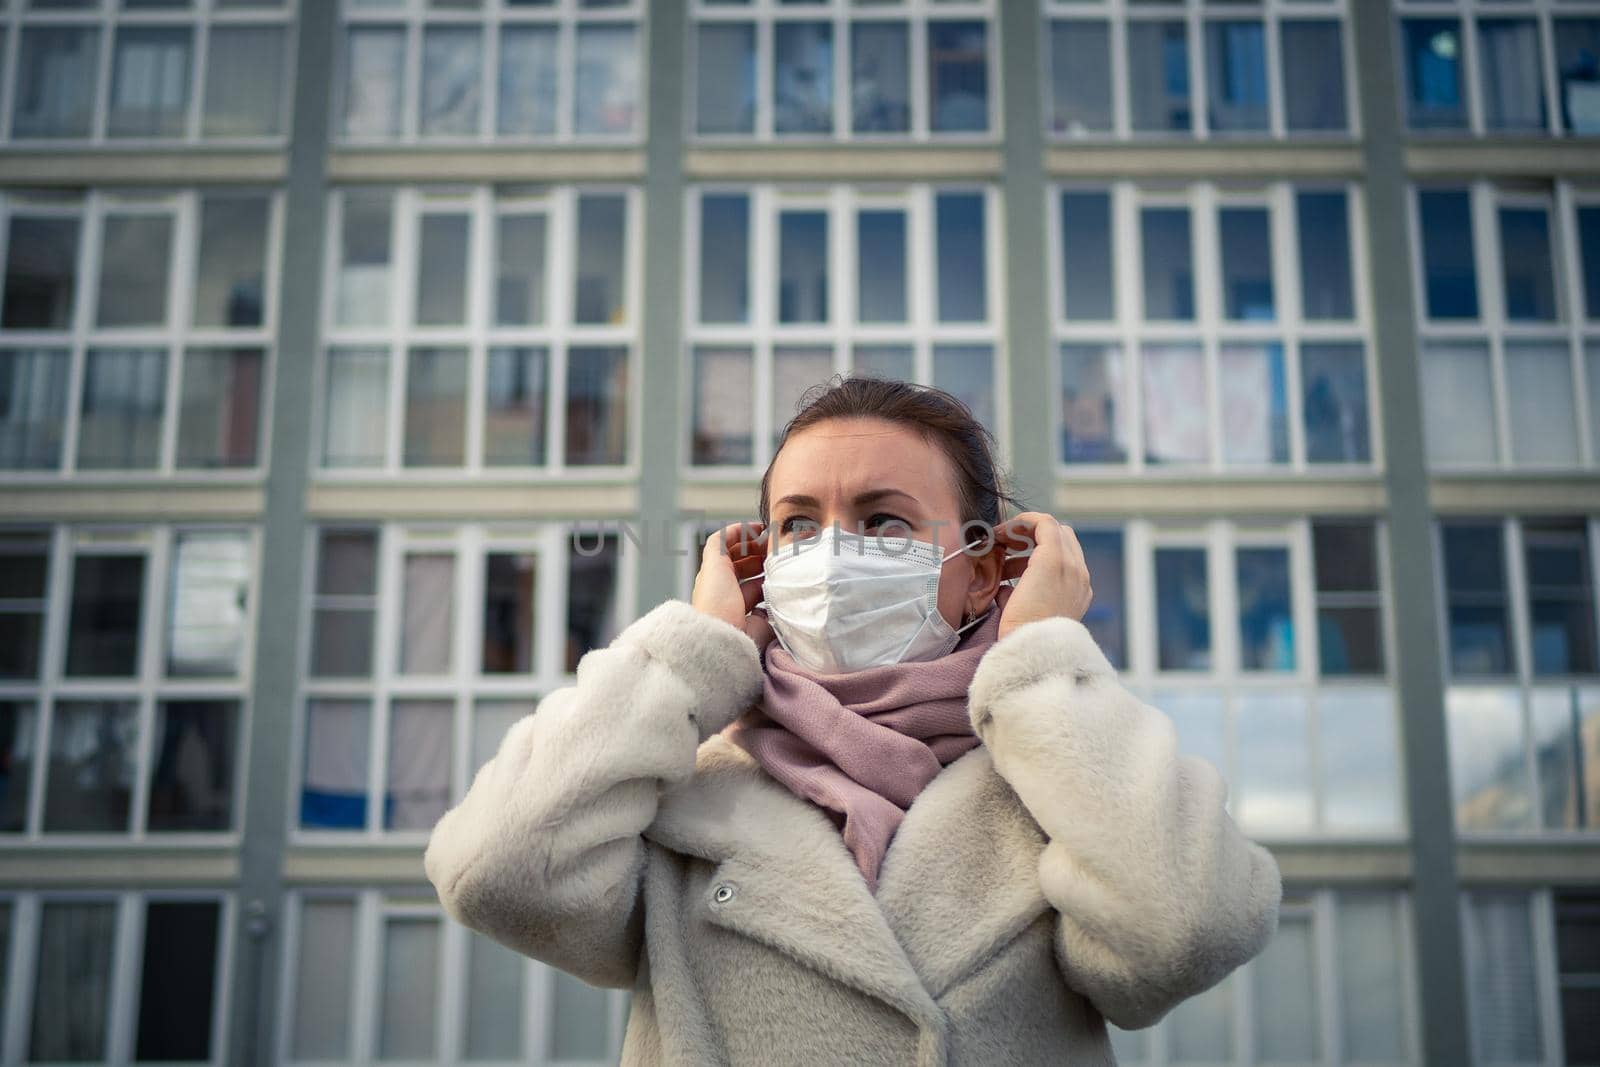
(1018,531)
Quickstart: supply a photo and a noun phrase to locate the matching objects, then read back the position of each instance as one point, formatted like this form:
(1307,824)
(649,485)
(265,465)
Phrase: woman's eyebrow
(867,497)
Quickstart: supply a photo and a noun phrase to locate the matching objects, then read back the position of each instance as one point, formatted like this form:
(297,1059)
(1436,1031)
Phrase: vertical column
(1435,889)
(253,1002)
(661,349)
(1032,408)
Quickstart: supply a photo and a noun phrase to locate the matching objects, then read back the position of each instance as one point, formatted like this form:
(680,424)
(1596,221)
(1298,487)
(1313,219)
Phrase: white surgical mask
(841,602)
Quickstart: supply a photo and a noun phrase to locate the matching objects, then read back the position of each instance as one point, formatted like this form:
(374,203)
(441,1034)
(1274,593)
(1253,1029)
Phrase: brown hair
(982,489)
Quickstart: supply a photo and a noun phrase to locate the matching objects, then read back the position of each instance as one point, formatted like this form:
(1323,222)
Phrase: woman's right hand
(736,551)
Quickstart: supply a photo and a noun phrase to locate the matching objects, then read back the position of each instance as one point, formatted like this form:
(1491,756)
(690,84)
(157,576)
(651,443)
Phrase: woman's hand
(1054,577)
(734,552)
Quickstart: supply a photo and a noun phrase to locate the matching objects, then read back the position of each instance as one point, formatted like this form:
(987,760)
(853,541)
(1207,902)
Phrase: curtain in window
(1503,979)
(72,983)
(33,398)
(1508,50)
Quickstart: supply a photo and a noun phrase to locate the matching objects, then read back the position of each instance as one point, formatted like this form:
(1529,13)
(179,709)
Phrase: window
(835,70)
(1272,69)
(137,733)
(1179,330)
(486,330)
(177,288)
(490,70)
(129,72)
(789,286)
(414,629)
(425,971)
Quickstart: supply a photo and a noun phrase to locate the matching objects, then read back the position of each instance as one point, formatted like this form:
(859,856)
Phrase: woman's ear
(985,581)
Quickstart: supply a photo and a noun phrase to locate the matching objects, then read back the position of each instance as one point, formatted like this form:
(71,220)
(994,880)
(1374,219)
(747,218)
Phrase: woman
(926,824)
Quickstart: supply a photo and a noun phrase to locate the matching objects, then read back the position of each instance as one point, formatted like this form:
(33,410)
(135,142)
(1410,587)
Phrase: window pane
(1199,717)
(802,266)
(1560,596)
(491,721)
(724,257)
(192,784)
(93,760)
(802,77)
(33,407)
(1266,621)
(1255,417)
(103,634)
(1508,53)
(1106,617)
(333,793)
(582,1017)
(1086,256)
(1544,427)
(724,418)
(208,611)
(1474,561)
(726,78)
(1577,939)
(529,77)
(244,81)
(1158,65)
(1325,287)
(1183,614)
(881,266)
(963,266)
(177,983)
(1488,777)
(1577,44)
(592,610)
(220,406)
(1200,1029)
(514,416)
(1525,262)
(1080,74)
(24,577)
(418,784)
(1432,49)
(41,270)
(436,407)
(597,406)
(494,1000)
(452,66)
(363,298)
(72,980)
(347,564)
(880,77)
(1334,380)
(883,361)
(323,979)
(375,64)
(1589,252)
(1556,718)
(1592,366)
(1372,981)
(1349,629)
(427,623)
(601,254)
(606,88)
(958,77)
(1288,1016)
(230,277)
(58,74)
(441,295)
(1458,403)
(356,417)
(510,607)
(1168,263)
(1313,75)
(967,372)
(135,254)
(521,278)
(150,82)
(1176,426)
(1451,278)
(1246,263)
(1274,775)
(19,746)
(1094,427)
(1361,776)
(124,391)
(794,370)
(1502,977)
(1236,75)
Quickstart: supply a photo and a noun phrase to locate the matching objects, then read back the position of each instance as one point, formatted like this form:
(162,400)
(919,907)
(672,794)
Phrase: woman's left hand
(1053,576)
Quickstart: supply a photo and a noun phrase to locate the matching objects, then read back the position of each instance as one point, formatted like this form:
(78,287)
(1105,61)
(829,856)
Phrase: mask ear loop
(977,619)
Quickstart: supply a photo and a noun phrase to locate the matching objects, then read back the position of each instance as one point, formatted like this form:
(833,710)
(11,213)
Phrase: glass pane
(1458,403)
(520,278)
(333,793)
(967,372)
(1451,278)
(1255,403)
(1236,76)
(963,265)
(881,270)
(41,270)
(33,408)
(958,77)
(1558,754)
(802,266)
(1176,425)
(1589,252)
(452,74)
(347,564)
(24,575)
(1474,563)
(208,610)
(1158,65)
(1372,980)
(231,273)
(1274,771)
(884,361)
(375,64)
(355,423)
(1313,75)
(107,600)
(724,257)
(592,609)
(19,745)
(880,77)
(794,370)
(177,985)
(725,76)
(323,979)
(93,760)
(1512,73)
(72,980)
(191,788)
(244,81)
(1502,977)
(517,380)
(436,407)
(802,77)
(418,782)
(408,1027)
(601,297)
(1183,610)
(1266,622)
(1288,1018)
(1087,260)
(220,407)
(1200,1029)
(124,392)
(1105,618)
(1334,379)
(1525,264)
(606,88)
(1325,285)
(150,82)
(1577,44)
(1094,428)
(491,720)
(529,81)
(1488,775)
(363,298)
(724,416)
(1432,49)
(1246,263)
(1560,596)
(135,254)
(582,1018)
(1576,937)
(1201,722)
(510,608)
(597,406)
(1361,776)
(1544,428)
(58,76)
(428,616)
(441,298)
(1168,263)
(494,1000)
(1080,76)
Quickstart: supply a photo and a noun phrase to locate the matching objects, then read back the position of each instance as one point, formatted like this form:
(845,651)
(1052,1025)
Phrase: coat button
(723,893)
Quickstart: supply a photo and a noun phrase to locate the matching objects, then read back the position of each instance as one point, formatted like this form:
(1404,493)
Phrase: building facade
(363,363)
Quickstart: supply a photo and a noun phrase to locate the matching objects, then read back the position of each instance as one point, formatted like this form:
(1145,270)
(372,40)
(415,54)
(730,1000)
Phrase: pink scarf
(863,744)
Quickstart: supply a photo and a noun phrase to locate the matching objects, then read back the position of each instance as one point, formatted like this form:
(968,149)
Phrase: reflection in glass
(593,612)
(347,577)
(724,257)
(724,416)
(601,297)
(1475,583)
(1559,573)
(150,82)
(1236,75)
(516,382)
(1246,239)
(452,65)
(1094,427)
(1488,772)
(1158,62)
(1360,773)
(1183,610)
(1266,620)
(191,786)
(1511,72)
(1324,232)
(364,260)
(967,371)
(881,266)
(802,77)
(597,406)
(962,259)
(93,760)
(103,630)
(19,746)
(1529,277)
(510,609)
(1176,425)
(880,77)
(1577,43)
(529,74)
(1451,278)
(1273,780)
(1168,263)
(1087,258)
(230,276)
(802,266)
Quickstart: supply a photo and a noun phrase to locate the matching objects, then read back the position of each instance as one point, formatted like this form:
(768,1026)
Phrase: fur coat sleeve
(544,852)
(1158,894)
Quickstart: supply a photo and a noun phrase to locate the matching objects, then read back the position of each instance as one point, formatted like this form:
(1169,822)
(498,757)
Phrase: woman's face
(874,476)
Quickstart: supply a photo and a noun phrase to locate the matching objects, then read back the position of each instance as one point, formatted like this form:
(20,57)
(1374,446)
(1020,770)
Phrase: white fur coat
(1073,868)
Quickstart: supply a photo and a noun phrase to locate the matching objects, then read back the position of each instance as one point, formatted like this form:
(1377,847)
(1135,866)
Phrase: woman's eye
(883,518)
(796,523)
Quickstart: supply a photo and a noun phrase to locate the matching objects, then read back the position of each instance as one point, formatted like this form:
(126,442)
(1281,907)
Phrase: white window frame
(1541,915)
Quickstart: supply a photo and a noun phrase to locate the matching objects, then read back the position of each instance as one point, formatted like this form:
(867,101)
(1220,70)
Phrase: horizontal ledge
(1263,160)
(354,865)
(174,165)
(1567,862)
(1533,156)
(158,502)
(329,500)
(116,868)
(1498,494)
(1199,494)
(827,161)
(1337,862)
(482,164)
